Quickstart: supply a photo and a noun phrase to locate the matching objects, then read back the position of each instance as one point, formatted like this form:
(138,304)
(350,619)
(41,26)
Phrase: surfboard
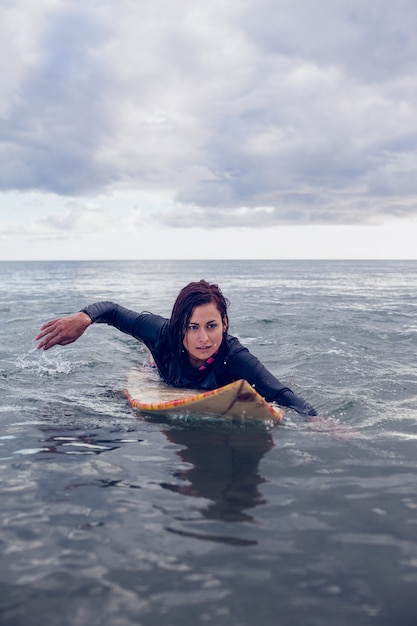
(235,400)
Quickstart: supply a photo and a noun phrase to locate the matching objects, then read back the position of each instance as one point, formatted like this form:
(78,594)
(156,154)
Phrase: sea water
(110,518)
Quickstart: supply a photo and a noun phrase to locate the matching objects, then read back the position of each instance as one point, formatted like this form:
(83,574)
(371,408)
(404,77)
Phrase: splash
(43,364)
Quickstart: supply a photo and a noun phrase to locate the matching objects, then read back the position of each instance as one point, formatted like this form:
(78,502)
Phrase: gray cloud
(50,139)
(372,40)
(248,114)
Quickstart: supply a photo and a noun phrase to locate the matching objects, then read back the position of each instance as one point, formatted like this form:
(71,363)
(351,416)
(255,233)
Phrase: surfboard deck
(235,400)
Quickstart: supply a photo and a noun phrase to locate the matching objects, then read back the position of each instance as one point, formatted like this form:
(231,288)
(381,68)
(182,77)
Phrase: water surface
(110,518)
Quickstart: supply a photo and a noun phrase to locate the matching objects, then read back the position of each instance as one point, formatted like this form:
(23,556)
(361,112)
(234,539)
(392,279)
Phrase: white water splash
(42,363)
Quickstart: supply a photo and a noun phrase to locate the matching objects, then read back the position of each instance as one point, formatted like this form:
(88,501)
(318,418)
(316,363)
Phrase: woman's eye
(211,326)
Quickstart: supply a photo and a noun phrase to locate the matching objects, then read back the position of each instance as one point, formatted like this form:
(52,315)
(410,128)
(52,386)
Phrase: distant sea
(110,518)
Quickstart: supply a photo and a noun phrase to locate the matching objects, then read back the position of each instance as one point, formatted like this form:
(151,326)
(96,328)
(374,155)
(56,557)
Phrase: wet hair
(191,296)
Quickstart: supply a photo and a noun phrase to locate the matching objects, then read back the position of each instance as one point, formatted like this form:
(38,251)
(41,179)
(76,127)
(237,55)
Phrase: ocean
(111,518)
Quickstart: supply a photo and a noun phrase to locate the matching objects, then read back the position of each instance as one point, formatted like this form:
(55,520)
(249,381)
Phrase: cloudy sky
(221,129)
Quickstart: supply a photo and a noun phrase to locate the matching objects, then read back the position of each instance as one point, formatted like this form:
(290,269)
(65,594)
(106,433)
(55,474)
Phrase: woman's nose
(202,334)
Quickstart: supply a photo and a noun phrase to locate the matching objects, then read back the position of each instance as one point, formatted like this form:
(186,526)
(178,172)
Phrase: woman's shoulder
(233,344)
(233,349)
(154,318)
(154,322)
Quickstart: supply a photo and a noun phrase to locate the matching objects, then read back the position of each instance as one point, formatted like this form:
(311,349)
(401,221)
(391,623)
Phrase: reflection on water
(219,467)
(223,468)
(77,444)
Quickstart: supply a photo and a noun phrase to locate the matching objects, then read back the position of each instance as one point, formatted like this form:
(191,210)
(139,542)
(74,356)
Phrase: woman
(192,349)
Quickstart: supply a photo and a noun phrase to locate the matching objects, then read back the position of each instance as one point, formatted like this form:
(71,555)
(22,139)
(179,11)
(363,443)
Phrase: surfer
(192,349)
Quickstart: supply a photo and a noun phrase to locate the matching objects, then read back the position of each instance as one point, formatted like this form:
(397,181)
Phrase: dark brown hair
(192,295)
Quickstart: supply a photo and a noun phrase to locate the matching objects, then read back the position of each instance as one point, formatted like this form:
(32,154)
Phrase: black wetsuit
(233,361)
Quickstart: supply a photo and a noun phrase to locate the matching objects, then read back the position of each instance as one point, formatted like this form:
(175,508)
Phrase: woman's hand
(63,330)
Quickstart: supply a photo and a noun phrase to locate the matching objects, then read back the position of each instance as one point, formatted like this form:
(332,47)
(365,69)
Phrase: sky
(229,129)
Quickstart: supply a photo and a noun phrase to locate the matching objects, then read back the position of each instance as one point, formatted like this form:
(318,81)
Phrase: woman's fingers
(62,331)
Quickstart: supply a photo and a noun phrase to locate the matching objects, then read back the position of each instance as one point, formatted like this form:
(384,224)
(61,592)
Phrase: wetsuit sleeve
(142,326)
(245,365)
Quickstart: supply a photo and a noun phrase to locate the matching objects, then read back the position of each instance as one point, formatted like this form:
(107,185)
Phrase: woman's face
(204,333)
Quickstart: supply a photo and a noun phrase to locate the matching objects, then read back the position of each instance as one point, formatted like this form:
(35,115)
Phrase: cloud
(76,220)
(50,138)
(371,41)
(254,113)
